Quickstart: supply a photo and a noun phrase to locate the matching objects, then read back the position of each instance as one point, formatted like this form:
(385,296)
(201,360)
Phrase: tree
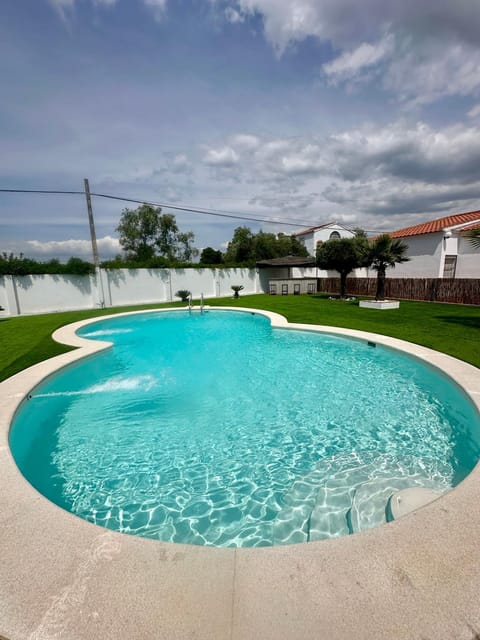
(241,247)
(385,252)
(290,246)
(140,231)
(247,247)
(264,246)
(211,256)
(79,267)
(185,249)
(167,235)
(344,256)
(146,234)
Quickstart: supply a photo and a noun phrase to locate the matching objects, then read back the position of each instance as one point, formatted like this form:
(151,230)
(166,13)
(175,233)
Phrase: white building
(330,231)
(440,248)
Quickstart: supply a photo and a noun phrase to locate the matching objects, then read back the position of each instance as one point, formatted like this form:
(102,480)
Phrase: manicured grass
(453,329)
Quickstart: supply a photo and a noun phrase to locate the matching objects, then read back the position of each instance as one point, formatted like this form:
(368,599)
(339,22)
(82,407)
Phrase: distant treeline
(11,264)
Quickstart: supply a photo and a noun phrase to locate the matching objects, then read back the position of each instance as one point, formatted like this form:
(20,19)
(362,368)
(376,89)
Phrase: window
(296,289)
(284,289)
(311,287)
(449,266)
(273,289)
(334,236)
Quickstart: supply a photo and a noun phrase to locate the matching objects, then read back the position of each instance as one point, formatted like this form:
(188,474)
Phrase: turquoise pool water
(216,429)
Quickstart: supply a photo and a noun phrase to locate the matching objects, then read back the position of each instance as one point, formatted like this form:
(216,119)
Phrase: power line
(160,204)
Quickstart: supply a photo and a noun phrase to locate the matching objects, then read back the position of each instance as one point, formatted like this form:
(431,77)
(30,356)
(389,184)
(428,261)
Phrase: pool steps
(355,496)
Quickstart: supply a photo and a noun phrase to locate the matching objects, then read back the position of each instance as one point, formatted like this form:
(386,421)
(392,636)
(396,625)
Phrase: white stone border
(64,578)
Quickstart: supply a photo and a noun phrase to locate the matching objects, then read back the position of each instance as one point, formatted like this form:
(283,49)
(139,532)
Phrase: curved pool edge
(65,578)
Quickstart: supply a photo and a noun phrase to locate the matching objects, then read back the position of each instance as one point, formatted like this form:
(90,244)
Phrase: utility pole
(93,239)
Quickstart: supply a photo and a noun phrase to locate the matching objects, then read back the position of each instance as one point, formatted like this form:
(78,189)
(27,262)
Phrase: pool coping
(64,578)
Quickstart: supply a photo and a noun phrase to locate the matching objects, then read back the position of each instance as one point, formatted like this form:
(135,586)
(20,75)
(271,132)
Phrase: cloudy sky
(301,111)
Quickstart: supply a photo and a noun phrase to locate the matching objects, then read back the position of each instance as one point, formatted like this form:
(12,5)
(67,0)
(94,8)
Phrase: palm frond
(474,237)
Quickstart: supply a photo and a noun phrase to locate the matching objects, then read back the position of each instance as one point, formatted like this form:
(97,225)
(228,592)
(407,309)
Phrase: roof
(471,227)
(322,226)
(312,229)
(288,261)
(461,220)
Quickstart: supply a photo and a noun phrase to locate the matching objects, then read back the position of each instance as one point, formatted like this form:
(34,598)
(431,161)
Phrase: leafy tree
(79,267)
(140,230)
(185,249)
(343,255)
(290,246)
(11,264)
(211,256)
(265,246)
(146,233)
(247,247)
(241,247)
(385,252)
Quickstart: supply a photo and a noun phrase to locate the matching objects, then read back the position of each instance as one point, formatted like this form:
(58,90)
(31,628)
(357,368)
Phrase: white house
(314,236)
(330,231)
(440,248)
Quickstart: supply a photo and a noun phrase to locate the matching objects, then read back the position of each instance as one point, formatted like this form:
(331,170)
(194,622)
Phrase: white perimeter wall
(21,295)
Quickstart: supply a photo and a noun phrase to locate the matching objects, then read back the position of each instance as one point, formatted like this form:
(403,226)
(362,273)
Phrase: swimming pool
(217,429)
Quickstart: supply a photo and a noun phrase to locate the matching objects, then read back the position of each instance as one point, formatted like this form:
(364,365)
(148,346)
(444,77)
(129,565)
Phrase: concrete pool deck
(63,578)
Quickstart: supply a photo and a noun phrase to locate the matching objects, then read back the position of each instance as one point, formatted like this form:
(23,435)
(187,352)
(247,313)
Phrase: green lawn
(453,329)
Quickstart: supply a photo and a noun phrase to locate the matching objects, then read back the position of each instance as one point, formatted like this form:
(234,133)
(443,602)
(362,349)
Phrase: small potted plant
(236,288)
(183,294)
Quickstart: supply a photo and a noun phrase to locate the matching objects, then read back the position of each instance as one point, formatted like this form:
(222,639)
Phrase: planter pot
(379,304)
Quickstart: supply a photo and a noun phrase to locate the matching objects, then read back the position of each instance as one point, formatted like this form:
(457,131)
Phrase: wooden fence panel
(463,291)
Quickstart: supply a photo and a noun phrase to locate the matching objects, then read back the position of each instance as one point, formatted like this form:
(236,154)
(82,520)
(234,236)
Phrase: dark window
(334,236)
(273,289)
(450,266)
(284,289)
(296,289)
(311,287)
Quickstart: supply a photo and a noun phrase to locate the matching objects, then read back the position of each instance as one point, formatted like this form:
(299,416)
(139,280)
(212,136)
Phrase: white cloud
(234,16)
(348,23)
(432,49)
(245,141)
(474,112)
(66,6)
(107,247)
(350,63)
(429,71)
(371,171)
(158,7)
(181,164)
(407,152)
(63,7)
(225,157)
(284,201)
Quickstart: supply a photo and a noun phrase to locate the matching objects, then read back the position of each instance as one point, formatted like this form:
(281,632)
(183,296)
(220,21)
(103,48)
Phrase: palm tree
(385,252)
(474,237)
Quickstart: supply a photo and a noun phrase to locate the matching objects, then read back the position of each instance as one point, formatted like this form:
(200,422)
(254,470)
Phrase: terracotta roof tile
(438,225)
(470,227)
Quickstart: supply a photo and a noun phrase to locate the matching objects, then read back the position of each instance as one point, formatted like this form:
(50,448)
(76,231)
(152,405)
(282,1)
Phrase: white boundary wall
(23,295)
